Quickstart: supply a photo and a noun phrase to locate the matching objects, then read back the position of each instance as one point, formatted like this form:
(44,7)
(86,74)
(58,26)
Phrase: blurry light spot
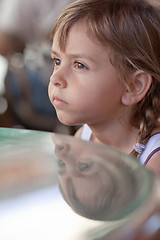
(3,105)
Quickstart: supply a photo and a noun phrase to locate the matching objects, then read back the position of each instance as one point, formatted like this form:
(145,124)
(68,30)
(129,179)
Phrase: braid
(145,114)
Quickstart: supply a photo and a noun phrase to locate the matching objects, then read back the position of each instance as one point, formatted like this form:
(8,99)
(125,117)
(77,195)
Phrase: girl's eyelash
(56,61)
(77,64)
(80,65)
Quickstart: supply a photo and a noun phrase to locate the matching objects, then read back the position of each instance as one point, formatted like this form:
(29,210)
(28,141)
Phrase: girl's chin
(67,120)
(69,123)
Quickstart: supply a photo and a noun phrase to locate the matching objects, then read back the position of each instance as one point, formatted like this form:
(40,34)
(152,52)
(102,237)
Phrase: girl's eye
(61,163)
(82,166)
(57,62)
(79,65)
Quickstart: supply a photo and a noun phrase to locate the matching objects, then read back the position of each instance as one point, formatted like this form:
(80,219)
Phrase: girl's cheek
(49,90)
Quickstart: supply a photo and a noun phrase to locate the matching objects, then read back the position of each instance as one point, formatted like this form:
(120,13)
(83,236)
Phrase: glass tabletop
(55,186)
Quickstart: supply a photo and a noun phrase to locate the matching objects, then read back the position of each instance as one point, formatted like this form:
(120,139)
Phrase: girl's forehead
(61,35)
(77,31)
(79,44)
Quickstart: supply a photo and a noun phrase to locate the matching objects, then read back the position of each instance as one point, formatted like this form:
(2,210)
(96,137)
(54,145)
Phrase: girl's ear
(137,89)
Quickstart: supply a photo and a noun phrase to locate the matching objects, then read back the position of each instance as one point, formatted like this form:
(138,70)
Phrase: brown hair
(109,203)
(131,28)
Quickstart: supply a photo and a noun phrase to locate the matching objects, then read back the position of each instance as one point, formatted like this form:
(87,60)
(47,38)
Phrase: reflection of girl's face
(72,164)
(86,175)
(80,167)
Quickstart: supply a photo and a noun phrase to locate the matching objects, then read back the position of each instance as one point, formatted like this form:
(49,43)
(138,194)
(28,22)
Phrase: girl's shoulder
(151,154)
(78,133)
(154,163)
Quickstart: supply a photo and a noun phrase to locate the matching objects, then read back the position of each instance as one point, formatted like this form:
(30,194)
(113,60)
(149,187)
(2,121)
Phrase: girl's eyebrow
(54,53)
(74,56)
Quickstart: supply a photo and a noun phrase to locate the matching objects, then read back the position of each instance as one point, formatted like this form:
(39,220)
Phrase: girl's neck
(121,137)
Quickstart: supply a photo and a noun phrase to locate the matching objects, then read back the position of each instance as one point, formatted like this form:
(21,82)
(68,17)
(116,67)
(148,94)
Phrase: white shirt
(152,146)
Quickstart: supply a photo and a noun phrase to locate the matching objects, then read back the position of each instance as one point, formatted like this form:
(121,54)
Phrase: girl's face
(84,169)
(84,87)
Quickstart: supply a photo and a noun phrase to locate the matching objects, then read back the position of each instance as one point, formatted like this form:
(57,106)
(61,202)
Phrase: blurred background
(25,64)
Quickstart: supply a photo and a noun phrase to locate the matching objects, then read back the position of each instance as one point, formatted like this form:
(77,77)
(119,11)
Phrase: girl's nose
(58,79)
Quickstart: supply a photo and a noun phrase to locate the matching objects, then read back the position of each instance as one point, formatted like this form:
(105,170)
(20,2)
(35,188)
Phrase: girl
(106,56)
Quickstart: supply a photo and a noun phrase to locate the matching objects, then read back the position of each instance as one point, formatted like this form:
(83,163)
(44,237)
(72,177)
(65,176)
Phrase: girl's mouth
(58,102)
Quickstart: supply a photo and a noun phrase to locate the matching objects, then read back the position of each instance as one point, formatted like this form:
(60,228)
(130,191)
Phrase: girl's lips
(58,102)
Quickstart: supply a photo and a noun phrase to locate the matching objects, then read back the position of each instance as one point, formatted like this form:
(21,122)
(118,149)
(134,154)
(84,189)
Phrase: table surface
(34,163)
